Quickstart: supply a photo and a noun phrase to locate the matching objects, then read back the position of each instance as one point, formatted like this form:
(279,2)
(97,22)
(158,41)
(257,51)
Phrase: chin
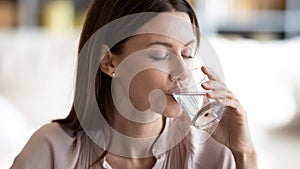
(172,112)
(172,109)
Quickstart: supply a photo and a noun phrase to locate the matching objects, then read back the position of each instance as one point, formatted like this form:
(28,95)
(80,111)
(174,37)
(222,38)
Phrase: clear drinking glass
(188,92)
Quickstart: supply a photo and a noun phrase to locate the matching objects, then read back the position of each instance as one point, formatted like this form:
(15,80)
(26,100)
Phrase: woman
(74,142)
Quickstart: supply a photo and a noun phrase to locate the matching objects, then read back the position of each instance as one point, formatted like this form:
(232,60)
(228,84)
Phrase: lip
(169,93)
(176,90)
(171,96)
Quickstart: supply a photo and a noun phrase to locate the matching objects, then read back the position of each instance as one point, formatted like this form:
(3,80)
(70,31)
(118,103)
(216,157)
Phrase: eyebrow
(169,45)
(189,42)
(166,44)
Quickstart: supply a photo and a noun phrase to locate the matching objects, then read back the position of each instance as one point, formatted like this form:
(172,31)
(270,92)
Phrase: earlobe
(107,61)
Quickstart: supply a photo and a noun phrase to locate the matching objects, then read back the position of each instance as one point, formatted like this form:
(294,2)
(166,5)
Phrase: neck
(137,130)
(133,152)
(134,140)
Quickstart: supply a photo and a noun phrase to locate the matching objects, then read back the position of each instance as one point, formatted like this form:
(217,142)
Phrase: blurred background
(257,41)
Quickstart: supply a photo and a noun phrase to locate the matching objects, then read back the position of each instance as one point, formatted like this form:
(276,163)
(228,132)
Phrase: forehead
(145,39)
(176,25)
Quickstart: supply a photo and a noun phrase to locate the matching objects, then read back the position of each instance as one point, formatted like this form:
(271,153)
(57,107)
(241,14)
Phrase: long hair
(102,12)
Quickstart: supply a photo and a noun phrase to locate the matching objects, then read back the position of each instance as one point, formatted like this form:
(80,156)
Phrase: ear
(108,62)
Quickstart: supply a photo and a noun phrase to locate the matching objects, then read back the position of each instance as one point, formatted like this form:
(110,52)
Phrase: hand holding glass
(188,92)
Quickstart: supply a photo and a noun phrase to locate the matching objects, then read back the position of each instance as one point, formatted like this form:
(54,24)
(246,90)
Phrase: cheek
(143,84)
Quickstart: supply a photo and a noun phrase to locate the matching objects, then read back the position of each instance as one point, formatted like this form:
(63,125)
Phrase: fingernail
(206,84)
(210,93)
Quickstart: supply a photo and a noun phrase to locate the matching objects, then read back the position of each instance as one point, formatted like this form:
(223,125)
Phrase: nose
(178,67)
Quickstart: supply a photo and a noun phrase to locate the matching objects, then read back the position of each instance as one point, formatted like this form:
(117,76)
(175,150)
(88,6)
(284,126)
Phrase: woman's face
(158,51)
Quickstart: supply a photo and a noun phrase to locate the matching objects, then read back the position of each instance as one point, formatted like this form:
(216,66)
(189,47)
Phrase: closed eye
(159,55)
(158,58)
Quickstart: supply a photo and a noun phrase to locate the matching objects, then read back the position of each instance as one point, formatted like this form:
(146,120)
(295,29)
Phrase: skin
(232,131)
(154,78)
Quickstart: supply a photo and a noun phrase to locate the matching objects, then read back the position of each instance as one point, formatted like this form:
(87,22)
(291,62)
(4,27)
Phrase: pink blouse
(54,147)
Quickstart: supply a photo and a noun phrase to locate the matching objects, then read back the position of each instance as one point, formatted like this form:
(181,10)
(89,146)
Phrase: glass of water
(186,89)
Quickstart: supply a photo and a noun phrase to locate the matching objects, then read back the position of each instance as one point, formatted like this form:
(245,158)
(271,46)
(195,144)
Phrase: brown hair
(100,13)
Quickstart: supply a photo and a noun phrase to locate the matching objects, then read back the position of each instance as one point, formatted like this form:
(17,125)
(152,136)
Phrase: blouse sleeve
(197,150)
(37,153)
(49,147)
(212,154)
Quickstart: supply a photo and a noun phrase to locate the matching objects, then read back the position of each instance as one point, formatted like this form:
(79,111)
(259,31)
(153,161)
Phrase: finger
(213,85)
(220,95)
(235,105)
(210,73)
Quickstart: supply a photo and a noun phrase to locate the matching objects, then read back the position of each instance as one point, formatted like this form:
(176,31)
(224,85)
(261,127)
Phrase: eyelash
(167,55)
(161,58)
